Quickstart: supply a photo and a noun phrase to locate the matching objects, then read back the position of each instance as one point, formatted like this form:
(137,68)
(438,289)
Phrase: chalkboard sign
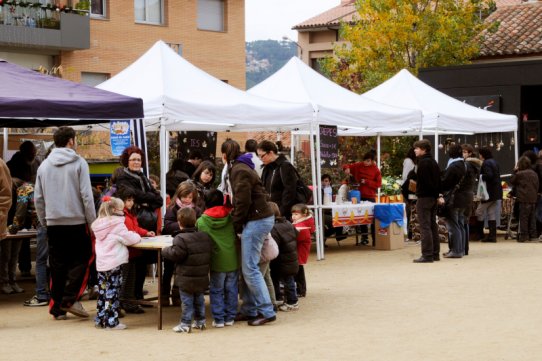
(329,146)
(205,142)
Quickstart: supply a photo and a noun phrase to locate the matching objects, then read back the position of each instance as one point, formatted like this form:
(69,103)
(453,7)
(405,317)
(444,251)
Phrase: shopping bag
(482,190)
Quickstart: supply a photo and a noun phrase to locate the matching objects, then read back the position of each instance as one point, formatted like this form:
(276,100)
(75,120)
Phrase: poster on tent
(204,141)
(119,134)
(329,146)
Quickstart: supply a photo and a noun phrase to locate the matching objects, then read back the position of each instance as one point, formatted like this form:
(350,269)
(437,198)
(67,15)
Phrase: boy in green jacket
(217,223)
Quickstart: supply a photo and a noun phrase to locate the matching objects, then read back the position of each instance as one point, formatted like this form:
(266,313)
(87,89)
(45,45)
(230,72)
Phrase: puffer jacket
(112,237)
(171,226)
(249,196)
(191,251)
(285,234)
(525,184)
(279,179)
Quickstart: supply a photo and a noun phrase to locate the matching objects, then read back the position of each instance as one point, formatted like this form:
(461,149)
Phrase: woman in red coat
(304,222)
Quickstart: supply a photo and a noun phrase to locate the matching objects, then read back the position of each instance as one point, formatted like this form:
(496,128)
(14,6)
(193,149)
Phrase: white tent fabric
(441,112)
(335,105)
(181,96)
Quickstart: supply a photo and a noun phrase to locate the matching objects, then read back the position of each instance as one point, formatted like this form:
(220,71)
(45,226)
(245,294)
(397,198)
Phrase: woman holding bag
(490,174)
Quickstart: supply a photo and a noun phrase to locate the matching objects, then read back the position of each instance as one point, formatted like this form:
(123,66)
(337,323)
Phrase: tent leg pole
(5,147)
(164,163)
(378,151)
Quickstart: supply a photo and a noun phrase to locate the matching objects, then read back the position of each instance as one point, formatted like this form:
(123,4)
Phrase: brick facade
(117,41)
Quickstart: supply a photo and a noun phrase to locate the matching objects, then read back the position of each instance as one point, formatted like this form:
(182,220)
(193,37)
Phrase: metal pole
(378,138)
(164,162)
(5,147)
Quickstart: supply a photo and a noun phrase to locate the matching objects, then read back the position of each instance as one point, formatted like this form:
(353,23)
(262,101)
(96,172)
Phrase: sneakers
(6,289)
(181,328)
(120,326)
(35,301)
(287,308)
(229,323)
(16,288)
(60,317)
(198,325)
(260,320)
(76,309)
(218,324)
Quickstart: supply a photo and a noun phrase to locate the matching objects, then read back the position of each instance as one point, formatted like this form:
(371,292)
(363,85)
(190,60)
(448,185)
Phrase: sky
(273,19)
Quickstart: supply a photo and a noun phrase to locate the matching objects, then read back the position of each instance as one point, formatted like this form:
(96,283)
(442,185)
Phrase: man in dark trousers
(65,205)
(427,191)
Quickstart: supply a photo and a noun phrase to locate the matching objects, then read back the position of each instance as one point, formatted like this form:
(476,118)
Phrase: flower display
(391,186)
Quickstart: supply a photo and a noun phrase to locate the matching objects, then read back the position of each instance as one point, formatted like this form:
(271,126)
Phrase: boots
(479,231)
(492,237)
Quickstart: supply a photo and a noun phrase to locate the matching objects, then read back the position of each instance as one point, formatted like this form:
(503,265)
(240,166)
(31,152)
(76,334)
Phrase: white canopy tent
(441,113)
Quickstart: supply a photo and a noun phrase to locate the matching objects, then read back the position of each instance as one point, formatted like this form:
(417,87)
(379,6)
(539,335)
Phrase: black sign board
(329,146)
(487,102)
(205,142)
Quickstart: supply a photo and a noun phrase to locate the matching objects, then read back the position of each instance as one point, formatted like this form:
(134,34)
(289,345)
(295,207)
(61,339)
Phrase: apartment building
(94,39)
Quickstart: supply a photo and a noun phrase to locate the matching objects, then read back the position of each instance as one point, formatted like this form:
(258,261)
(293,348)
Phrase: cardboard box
(389,238)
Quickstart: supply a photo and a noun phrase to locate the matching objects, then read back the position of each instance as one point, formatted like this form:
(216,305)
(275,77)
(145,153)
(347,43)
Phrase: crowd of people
(242,235)
(451,193)
(243,238)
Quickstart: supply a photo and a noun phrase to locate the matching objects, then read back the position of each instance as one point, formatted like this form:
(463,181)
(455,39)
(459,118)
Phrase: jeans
(290,291)
(42,256)
(257,299)
(426,208)
(223,293)
(193,306)
(456,230)
(9,253)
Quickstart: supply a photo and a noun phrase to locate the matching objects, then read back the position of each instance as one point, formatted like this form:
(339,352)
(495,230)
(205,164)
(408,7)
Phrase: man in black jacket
(427,191)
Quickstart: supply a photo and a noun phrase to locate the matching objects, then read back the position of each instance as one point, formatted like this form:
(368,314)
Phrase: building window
(97,8)
(211,15)
(149,11)
(93,79)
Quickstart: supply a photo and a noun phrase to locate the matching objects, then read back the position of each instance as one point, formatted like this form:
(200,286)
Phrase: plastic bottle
(328,197)
(342,193)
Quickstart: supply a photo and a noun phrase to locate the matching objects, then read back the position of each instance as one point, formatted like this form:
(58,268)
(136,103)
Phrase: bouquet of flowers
(391,186)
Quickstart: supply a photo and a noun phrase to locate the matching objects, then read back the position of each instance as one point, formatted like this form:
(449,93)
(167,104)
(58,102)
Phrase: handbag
(303,194)
(270,249)
(443,210)
(412,185)
(147,218)
(482,193)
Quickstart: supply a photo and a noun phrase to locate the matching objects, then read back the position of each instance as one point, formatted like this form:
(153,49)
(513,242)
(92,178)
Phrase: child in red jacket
(136,263)
(304,222)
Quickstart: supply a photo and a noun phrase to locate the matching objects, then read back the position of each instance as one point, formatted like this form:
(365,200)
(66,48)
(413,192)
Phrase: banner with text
(119,132)
(205,142)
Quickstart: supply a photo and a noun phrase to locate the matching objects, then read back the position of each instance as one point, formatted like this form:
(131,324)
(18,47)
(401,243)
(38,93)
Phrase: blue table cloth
(389,212)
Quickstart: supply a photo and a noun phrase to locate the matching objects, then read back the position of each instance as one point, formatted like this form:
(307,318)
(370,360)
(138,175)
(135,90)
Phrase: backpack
(303,193)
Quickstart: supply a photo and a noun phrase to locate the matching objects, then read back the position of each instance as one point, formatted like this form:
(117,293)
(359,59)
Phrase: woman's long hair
(184,189)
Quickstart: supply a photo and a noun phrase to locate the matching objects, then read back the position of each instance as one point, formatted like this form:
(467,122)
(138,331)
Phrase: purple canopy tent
(31,99)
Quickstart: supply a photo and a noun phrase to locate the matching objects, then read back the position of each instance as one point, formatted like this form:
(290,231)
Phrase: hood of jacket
(102,226)
(62,156)
(217,217)
(247,159)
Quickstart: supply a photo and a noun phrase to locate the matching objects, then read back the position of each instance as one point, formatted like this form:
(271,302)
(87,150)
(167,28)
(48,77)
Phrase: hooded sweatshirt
(217,223)
(63,194)
(112,237)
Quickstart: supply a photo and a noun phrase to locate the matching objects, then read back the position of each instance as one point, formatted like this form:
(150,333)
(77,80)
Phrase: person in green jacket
(218,224)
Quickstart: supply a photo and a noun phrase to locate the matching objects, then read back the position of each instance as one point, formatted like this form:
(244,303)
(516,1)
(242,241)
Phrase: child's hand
(150,234)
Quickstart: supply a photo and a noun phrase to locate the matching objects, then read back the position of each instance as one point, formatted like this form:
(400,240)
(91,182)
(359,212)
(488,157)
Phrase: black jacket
(492,176)
(171,225)
(191,252)
(173,179)
(285,234)
(249,197)
(462,173)
(280,180)
(427,177)
(144,193)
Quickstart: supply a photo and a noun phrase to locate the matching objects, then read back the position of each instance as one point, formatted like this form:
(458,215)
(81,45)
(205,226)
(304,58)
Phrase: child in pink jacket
(112,239)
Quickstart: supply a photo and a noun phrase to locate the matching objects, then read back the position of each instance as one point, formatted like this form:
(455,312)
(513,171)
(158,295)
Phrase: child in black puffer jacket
(285,266)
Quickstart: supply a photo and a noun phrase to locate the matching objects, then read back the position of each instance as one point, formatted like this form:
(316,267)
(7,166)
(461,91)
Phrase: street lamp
(285,38)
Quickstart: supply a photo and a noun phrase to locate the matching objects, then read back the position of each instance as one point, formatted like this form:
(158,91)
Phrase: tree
(390,35)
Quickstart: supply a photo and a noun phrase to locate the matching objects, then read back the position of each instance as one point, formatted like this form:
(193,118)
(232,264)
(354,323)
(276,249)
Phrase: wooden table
(155,244)
(23,234)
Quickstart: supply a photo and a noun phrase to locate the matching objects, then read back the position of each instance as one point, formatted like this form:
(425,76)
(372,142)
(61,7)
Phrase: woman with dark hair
(175,176)
(147,203)
(458,180)
(253,218)
(490,174)
(204,178)
(525,182)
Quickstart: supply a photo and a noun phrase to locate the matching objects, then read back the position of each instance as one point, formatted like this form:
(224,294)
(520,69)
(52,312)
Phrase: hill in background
(265,57)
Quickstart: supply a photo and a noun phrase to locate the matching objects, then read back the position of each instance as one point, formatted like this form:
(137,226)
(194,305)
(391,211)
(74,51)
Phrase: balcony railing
(32,24)
(34,15)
